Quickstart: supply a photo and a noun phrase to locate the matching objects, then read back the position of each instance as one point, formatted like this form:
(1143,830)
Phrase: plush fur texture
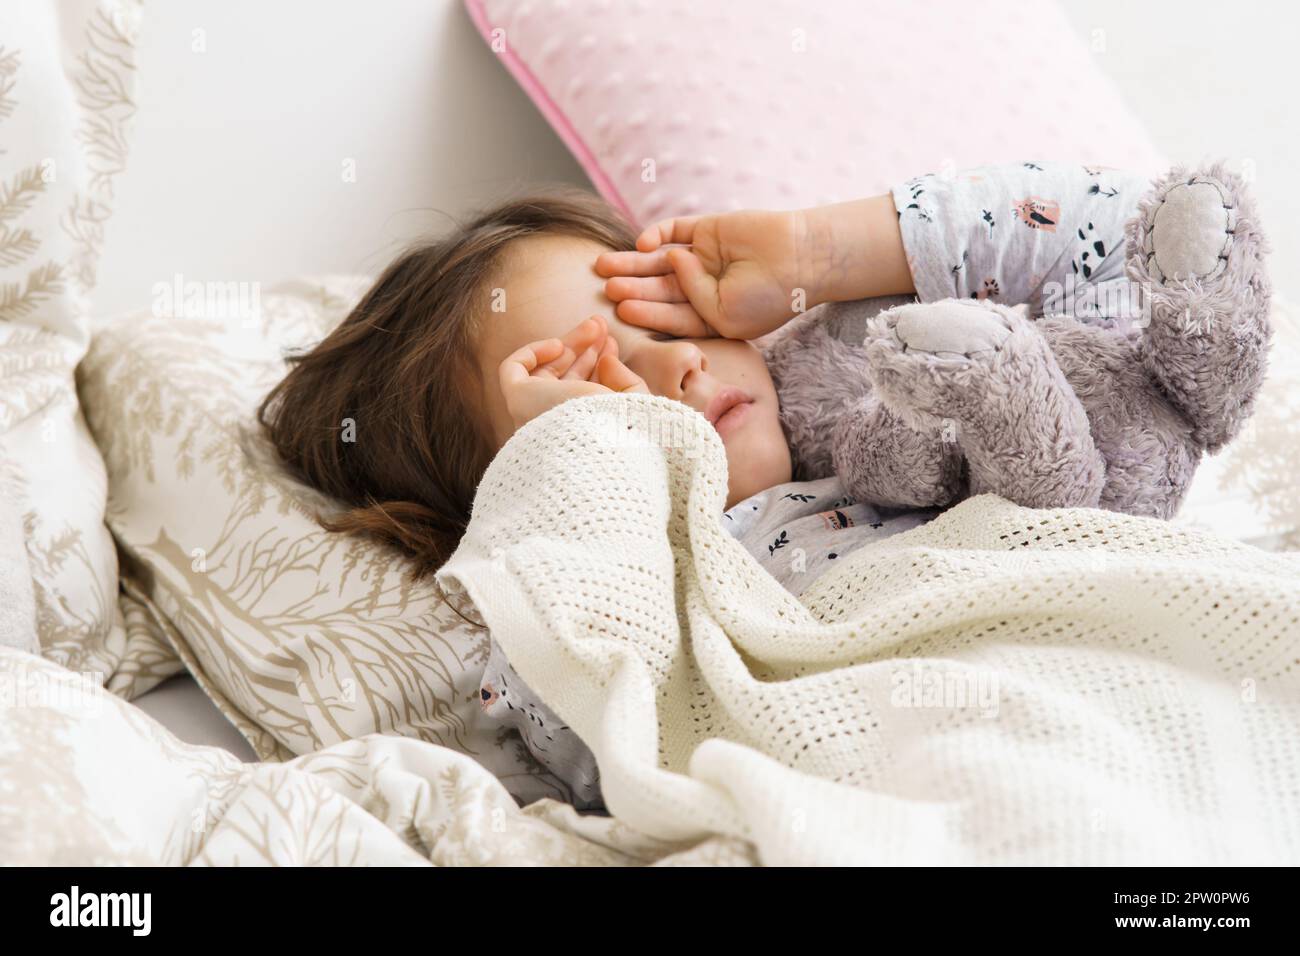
(818,365)
(922,404)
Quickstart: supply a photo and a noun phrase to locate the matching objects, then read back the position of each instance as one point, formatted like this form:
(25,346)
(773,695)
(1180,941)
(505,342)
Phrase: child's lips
(733,418)
(728,408)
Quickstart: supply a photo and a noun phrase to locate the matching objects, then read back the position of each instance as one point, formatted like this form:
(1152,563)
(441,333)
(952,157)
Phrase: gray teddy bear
(937,401)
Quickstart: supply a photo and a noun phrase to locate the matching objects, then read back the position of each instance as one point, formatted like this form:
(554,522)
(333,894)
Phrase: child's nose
(681,359)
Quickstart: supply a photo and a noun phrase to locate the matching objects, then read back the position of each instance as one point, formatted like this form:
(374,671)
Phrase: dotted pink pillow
(676,107)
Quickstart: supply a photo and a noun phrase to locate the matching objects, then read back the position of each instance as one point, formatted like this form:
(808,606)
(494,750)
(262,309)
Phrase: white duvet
(1002,685)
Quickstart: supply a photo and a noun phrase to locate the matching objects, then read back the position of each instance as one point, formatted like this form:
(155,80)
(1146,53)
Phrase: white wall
(1214,79)
(236,169)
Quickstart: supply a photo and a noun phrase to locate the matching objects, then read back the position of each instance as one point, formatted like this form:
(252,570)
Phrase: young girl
(463,340)
(546,299)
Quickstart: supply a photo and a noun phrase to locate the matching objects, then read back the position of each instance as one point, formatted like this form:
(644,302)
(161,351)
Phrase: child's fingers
(679,230)
(521,363)
(588,332)
(582,366)
(616,376)
(700,286)
(633,264)
(678,319)
(653,289)
(610,347)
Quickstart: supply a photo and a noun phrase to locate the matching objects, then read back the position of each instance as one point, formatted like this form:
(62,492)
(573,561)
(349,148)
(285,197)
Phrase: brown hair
(403,367)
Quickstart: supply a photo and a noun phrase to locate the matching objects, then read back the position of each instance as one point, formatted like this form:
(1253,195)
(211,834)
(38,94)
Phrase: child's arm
(747,273)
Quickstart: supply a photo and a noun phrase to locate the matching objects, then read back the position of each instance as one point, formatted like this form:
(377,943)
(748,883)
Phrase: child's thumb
(699,287)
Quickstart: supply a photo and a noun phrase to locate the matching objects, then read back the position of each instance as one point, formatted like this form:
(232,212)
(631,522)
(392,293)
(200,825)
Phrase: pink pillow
(676,107)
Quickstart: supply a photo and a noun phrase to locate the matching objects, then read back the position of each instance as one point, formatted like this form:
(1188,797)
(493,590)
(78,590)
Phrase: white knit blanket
(1002,685)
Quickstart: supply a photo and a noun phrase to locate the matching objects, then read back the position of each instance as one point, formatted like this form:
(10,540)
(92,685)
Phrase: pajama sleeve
(1016,233)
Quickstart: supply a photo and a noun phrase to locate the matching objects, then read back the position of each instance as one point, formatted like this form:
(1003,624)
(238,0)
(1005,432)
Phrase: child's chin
(746,485)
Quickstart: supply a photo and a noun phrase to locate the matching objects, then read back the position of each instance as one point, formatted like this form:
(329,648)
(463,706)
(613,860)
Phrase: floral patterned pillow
(67,84)
(302,637)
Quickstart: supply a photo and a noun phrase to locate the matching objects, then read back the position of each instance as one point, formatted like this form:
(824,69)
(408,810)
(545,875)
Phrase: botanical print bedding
(88,779)
(303,638)
(67,102)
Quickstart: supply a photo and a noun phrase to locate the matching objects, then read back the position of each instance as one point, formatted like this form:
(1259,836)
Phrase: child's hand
(544,374)
(740,278)
(748,273)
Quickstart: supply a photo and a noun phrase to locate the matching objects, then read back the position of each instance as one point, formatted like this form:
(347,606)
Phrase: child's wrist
(854,250)
(813,273)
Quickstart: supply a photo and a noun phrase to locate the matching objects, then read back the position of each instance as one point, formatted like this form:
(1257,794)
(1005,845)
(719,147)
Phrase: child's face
(551,285)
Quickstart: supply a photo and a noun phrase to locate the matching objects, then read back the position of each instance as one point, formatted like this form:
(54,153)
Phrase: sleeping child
(542,300)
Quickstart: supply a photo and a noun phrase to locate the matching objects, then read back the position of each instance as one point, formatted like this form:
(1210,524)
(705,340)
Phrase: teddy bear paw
(930,361)
(951,329)
(1198,252)
(1190,231)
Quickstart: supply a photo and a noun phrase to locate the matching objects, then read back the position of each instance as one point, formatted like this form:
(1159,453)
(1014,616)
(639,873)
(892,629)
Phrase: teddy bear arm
(882,461)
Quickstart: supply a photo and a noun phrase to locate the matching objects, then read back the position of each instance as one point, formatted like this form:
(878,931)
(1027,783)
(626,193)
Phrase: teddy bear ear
(1021,310)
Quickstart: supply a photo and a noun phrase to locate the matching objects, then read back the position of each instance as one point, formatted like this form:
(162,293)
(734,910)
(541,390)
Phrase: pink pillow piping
(552,112)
